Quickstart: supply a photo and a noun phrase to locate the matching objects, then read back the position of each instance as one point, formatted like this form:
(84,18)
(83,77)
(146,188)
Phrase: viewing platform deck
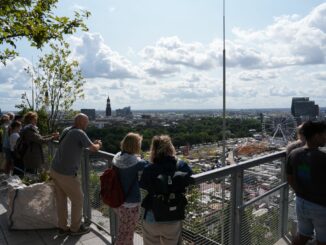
(235,216)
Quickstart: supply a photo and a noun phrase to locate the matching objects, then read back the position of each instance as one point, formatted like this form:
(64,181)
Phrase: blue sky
(167,54)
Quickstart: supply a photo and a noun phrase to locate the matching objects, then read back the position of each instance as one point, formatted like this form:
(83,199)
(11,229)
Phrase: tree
(58,83)
(35,21)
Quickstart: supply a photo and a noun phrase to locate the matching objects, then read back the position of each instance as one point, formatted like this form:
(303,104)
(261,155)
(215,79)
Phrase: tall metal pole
(224,77)
(223,130)
(33,86)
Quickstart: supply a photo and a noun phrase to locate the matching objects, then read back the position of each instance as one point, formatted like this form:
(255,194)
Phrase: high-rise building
(124,112)
(90,113)
(303,108)
(108,111)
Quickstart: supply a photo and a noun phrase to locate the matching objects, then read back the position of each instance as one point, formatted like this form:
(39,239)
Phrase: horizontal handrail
(227,170)
(267,193)
(235,172)
(101,154)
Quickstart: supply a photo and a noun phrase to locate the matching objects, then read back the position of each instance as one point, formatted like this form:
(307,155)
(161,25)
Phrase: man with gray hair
(64,173)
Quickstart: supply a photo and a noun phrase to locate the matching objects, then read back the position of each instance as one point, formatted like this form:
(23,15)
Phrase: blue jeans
(311,216)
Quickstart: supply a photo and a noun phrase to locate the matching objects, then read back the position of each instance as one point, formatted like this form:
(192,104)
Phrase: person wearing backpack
(128,164)
(165,180)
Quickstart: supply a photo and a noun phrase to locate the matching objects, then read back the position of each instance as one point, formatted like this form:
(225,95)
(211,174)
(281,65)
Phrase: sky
(155,54)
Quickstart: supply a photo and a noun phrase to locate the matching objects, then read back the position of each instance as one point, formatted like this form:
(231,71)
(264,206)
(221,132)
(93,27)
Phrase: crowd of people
(67,160)
(12,129)
(162,160)
(305,168)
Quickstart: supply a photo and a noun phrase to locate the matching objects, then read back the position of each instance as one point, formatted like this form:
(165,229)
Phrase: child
(18,166)
(129,164)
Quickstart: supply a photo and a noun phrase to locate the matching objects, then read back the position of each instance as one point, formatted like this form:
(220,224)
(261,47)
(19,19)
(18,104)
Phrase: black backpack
(168,201)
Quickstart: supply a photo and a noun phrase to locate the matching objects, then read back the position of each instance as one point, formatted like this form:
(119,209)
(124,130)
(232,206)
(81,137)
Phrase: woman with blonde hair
(129,164)
(160,226)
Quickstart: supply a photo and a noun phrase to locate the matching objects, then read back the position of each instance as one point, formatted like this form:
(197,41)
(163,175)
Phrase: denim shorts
(311,216)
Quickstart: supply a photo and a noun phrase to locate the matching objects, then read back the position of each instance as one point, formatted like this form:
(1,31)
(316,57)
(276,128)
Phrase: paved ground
(43,237)
(47,237)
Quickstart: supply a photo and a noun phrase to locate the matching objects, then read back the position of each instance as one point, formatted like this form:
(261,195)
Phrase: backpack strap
(64,134)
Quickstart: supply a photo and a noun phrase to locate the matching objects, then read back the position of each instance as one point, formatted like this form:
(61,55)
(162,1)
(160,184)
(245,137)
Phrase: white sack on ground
(32,207)
(8,182)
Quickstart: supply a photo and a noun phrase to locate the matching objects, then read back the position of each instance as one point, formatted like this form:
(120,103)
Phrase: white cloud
(290,40)
(172,51)
(283,91)
(14,74)
(157,69)
(257,75)
(99,60)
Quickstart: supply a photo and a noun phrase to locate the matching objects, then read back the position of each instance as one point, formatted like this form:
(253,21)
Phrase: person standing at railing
(18,166)
(64,170)
(301,141)
(33,158)
(5,147)
(306,169)
(129,164)
(164,179)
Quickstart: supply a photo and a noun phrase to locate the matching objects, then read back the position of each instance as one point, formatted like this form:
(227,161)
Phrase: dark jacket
(34,157)
(166,165)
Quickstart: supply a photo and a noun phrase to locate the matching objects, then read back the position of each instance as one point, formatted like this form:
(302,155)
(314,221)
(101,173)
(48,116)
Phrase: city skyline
(168,55)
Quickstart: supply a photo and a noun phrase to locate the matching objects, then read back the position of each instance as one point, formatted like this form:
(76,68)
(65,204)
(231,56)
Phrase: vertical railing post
(85,184)
(113,225)
(284,201)
(236,203)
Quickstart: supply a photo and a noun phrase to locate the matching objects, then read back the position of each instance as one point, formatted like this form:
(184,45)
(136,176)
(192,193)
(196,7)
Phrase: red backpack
(111,189)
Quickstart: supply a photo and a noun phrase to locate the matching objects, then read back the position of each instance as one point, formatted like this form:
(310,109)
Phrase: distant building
(146,116)
(90,113)
(304,109)
(124,112)
(108,111)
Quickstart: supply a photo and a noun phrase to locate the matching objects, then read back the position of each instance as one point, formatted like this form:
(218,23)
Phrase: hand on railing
(55,135)
(98,142)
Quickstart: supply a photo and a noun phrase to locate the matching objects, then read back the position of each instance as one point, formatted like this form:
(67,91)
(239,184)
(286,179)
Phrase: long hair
(131,143)
(161,147)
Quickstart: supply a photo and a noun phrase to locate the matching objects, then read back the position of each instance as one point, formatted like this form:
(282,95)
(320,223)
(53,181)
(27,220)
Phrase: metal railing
(245,203)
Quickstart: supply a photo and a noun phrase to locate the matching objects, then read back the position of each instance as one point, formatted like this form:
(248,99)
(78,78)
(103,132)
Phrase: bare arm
(292,182)
(95,146)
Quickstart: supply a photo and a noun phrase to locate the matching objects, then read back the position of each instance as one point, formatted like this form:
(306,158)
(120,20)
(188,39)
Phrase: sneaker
(62,232)
(82,230)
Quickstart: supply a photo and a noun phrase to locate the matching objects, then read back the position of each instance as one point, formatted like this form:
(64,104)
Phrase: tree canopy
(58,83)
(35,21)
